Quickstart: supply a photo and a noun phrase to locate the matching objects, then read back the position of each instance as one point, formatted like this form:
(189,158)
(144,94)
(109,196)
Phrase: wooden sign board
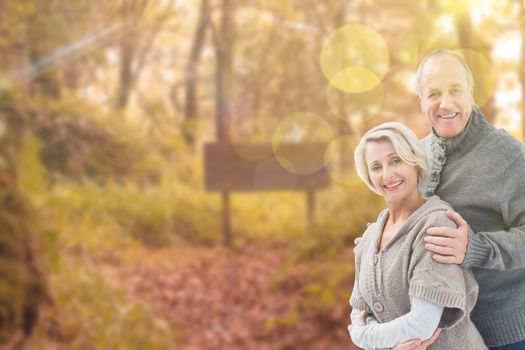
(227,170)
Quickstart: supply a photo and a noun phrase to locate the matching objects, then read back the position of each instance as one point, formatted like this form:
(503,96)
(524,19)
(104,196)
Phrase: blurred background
(179,174)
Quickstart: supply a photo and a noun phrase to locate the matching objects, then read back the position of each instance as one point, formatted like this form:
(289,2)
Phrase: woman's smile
(393,186)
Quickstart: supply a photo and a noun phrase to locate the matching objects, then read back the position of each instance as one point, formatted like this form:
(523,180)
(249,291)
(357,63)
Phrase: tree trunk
(43,81)
(125,72)
(223,78)
(344,126)
(137,40)
(191,109)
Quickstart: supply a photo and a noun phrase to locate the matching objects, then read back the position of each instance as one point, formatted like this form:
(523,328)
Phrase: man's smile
(448,116)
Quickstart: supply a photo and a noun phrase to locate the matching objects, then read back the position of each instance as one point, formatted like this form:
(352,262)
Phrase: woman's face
(390,175)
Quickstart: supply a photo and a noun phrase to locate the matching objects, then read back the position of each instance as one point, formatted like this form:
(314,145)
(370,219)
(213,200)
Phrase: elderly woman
(400,293)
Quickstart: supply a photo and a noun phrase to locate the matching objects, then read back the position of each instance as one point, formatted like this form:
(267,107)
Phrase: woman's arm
(368,320)
(419,323)
(355,314)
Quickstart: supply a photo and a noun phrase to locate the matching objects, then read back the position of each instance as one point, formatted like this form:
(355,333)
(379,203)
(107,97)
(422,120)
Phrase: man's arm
(499,250)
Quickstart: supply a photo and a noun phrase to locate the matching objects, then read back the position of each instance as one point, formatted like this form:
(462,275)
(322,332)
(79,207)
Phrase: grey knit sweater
(481,173)
(386,279)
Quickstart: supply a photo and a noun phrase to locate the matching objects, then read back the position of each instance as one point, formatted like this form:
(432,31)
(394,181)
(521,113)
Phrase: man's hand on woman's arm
(417,344)
(449,244)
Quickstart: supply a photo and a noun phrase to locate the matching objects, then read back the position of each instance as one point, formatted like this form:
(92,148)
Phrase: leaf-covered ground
(234,299)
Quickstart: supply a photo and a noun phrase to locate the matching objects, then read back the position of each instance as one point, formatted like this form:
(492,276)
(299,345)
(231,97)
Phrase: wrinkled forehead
(443,70)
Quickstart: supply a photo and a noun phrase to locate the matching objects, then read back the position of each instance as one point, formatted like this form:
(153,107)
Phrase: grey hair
(442,52)
(405,143)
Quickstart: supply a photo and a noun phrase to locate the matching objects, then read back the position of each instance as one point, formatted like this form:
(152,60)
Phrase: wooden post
(226,222)
(310,210)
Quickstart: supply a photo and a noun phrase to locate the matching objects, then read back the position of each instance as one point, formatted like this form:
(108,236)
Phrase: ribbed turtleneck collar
(444,147)
(469,136)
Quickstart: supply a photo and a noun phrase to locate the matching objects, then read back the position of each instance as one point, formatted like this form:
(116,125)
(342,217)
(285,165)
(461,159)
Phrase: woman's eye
(396,160)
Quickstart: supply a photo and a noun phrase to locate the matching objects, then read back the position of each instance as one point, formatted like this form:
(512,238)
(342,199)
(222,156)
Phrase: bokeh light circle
(355,108)
(301,128)
(354,79)
(483,73)
(355,58)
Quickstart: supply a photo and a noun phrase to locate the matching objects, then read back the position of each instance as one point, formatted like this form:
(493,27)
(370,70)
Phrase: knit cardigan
(481,173)
(385,279)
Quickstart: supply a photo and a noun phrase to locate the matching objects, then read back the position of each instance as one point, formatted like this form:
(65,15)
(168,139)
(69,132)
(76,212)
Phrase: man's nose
(446,101)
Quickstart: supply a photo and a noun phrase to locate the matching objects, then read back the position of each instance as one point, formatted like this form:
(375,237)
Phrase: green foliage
(329,286)
(31,172)
(155,216)
(77,147)
(91,312)
(22,285)
(280,216)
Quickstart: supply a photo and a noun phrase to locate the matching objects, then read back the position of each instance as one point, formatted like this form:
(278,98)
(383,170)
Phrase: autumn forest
(179,174)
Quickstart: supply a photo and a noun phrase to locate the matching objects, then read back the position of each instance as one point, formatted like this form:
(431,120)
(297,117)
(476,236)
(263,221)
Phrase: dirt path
(229,300)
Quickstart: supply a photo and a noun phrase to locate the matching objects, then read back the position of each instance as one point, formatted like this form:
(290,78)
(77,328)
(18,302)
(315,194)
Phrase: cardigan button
(378,307)
(376,258)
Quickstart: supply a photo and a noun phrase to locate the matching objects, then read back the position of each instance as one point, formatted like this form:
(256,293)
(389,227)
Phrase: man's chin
(447,131)
(447,128)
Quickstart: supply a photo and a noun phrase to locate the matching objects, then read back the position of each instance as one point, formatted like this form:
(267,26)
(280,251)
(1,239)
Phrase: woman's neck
(400,211)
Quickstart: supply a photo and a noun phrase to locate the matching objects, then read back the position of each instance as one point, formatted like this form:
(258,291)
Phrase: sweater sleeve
(442,284)
(356,299)
(505,249)
(419,323)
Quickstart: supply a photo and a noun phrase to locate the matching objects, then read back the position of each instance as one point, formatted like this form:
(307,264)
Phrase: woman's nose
(387,173)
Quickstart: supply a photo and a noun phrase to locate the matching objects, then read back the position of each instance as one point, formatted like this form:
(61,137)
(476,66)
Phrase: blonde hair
(437,53)
(405,143)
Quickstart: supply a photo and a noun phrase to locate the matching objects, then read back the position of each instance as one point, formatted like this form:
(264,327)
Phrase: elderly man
(480,171)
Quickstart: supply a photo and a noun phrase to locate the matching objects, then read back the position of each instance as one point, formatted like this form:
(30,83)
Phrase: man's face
(446,99)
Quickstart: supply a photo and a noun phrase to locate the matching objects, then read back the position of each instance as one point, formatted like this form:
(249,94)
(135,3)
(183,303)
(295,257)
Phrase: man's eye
(433,95)
(455,91)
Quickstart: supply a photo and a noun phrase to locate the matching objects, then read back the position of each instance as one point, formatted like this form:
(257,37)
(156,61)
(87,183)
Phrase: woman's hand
(356,242)
(359,321)
(418,344)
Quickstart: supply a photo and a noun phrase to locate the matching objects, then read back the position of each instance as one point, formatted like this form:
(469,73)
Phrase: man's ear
(420,104)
